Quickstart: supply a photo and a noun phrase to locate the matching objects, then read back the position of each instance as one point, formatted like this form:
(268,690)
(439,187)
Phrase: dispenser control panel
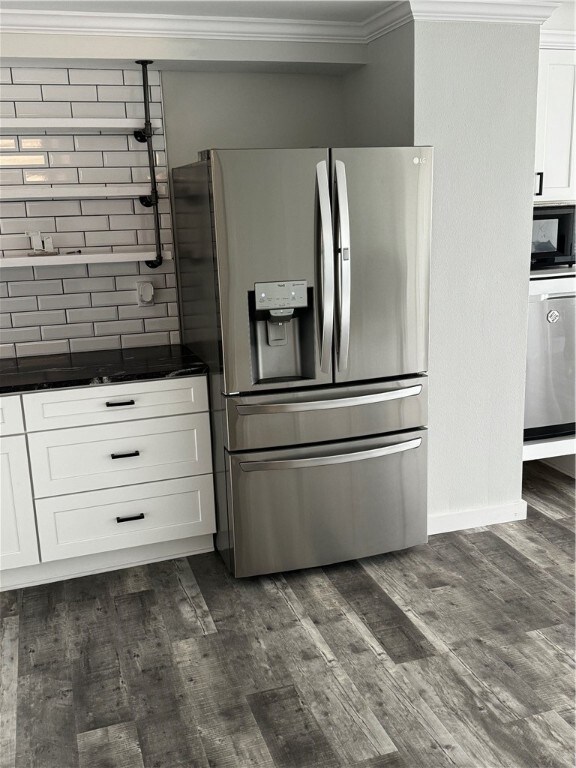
(288,294)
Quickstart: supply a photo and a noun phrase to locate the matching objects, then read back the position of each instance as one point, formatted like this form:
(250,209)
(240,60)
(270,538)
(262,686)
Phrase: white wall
(475,102)
(379,98)
(225,110)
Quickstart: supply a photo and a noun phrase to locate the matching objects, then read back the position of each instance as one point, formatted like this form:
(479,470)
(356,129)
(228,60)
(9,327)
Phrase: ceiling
(339,11)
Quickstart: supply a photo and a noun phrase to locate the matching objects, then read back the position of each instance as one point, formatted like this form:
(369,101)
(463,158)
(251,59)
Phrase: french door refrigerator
(303,278)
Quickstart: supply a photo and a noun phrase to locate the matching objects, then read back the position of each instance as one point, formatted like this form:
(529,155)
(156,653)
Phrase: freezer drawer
(322,415)
(312,506)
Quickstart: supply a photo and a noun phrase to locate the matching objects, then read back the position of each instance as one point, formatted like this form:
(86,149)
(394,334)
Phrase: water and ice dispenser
(282,331)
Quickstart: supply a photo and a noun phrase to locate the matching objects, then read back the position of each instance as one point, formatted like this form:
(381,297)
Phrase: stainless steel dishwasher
(550,380)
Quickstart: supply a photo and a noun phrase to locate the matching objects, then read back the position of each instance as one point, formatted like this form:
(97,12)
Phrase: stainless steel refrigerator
(303,279)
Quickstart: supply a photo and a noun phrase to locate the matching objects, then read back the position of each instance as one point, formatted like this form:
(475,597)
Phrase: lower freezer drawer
(312,506)
(116,518)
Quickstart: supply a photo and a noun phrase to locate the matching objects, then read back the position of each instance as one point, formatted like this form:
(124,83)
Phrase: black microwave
(552,236)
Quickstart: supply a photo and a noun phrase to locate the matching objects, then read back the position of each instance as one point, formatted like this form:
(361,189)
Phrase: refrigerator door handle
(320,405)
(343,250)
(320,461)
(326,256)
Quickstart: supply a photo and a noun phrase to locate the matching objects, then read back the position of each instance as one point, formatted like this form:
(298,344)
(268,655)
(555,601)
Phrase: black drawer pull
(122,402)
(132,517)
(540,175)
(124,455)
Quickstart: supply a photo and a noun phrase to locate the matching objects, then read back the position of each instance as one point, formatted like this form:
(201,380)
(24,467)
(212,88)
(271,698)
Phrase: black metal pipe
(147,136)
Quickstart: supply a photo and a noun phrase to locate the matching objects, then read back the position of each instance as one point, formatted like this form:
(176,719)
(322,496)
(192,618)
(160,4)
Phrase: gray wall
(475,102)
(226,110)
(379,98)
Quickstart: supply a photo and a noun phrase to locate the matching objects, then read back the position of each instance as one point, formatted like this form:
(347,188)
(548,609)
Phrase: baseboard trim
(75,567)
(477,517)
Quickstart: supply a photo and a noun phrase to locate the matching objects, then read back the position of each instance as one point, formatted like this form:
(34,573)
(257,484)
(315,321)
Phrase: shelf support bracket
(142,136)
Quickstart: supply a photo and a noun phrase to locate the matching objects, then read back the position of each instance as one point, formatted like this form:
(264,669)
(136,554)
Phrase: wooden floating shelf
(74,124)
(547,449)
(72,192)
(84,257)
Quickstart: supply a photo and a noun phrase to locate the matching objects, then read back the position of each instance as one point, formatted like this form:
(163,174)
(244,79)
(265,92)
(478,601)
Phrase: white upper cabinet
(555,171)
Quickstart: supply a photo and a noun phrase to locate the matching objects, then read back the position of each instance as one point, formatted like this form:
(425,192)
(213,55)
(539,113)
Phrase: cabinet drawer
(11,421)
(87,523)
(114,403)
(110,455)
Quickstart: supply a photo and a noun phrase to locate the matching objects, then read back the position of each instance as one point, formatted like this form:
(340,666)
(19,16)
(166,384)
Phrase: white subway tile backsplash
(134,109)
(98,298)
(42,108)
(7,210)
(39,76)
(17,226)
(69,92)
(51,176)
(5,75)
(175,337)
(95,342)
(7,109)
(119,237)
(128,159)
(97,109)
(34,288)
(55,271)
(114,298)
(75,159)
(38,318)
(88,284)
(119,327)
(134,221)
(63,143)
(12,335)
(8,143)
(104,175)
(11,176)
(81,223)
(65,301)
(95,76)
(145,340)
(52,208)
(101,143)
(7,351)
(123,93)
(20,93)
(134,77)
(161,324)
(105,207)
(42,348)
(92,314)
(72,331)
(131,312)
(122,268)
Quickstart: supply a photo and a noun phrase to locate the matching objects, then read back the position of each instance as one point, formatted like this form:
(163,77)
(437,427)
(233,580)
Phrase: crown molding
(275,30)
(558,39)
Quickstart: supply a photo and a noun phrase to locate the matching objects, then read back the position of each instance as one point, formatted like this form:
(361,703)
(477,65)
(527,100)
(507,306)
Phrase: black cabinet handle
(131,517)
(540,174)
(124,455)
(122,402)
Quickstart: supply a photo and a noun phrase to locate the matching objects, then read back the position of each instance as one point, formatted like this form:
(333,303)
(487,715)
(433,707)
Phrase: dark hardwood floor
(456,653)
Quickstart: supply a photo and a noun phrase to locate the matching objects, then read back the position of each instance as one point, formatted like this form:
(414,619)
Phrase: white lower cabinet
(105,479)
(18,543)
(100,521)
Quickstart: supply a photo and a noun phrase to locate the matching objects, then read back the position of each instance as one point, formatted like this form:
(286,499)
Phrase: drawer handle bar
(121,402)
(124,455)
(320,461)
(321,405)
(132,517)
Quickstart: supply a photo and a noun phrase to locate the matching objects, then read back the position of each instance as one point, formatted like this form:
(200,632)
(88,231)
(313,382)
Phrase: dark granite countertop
(28,374)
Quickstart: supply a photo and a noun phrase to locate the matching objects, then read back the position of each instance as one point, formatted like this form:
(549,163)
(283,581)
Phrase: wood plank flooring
(458,653)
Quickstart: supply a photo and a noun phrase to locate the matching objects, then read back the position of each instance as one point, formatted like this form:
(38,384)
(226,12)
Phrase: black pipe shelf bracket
(145,136)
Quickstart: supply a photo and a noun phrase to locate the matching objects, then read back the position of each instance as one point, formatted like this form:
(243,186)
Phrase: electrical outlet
(145,293)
